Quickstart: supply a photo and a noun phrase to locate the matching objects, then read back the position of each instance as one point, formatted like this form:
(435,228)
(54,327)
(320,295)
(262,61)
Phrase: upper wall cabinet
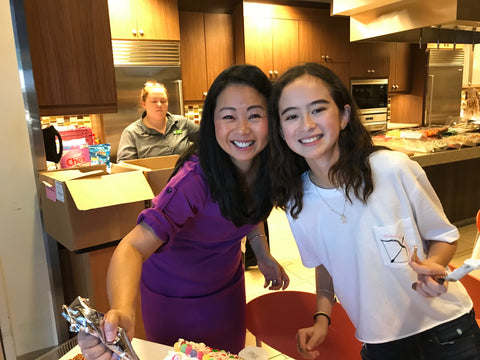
(71,52)
(400,67)
(371,60)
(271,44)
(277,37)
(325,39)
(206,48)
(144,19)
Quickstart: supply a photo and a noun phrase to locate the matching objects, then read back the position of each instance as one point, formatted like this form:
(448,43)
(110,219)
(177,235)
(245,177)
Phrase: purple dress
(193,287)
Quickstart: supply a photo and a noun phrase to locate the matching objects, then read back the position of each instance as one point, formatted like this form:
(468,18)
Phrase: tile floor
(284,249)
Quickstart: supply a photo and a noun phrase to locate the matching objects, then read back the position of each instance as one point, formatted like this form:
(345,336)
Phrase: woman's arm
(273,272)
(123,281)
(123,277)
(127,149)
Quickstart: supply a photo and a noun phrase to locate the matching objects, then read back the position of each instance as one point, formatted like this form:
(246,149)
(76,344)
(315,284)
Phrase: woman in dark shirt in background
(157,132)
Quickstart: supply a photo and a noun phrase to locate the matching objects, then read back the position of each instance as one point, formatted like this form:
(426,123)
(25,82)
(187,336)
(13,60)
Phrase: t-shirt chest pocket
(395,242)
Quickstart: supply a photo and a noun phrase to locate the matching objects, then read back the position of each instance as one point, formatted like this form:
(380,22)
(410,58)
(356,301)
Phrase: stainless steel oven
(371,97)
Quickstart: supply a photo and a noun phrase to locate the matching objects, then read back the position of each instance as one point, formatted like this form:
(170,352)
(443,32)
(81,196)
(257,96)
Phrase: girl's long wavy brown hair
(352,170)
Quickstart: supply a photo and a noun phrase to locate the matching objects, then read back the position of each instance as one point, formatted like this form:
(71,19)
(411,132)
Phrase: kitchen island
(454,174)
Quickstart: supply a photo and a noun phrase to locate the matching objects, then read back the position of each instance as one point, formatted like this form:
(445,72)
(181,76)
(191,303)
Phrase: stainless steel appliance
(135,63)
(443,88)
(371,97)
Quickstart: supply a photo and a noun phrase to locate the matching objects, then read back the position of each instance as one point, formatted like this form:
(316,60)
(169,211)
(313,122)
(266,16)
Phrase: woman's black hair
(352,169)
(225,182)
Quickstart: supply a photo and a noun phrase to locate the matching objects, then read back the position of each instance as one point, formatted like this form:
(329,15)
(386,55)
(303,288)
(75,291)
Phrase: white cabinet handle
(134,32)
(140,31)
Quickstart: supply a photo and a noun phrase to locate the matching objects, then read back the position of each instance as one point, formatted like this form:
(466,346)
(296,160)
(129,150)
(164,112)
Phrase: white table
(146,350)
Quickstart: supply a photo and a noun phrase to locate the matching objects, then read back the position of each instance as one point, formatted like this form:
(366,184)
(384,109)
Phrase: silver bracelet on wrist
(258,235)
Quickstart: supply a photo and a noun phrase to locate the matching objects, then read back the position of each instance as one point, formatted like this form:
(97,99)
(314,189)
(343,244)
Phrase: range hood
(415,21)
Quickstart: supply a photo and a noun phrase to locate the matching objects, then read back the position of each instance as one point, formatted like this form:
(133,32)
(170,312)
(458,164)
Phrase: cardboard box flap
(160,162)
(109,190)
(75,173)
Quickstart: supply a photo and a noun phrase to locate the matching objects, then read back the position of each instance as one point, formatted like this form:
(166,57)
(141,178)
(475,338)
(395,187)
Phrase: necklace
(343,218)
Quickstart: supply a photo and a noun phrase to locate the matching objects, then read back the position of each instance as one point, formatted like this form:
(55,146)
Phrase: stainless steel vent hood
(432,21)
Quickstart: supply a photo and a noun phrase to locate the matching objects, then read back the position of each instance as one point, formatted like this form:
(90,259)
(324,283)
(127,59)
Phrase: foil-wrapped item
(83,318)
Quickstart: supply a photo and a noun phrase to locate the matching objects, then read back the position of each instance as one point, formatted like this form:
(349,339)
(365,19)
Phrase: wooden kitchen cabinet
(277,37)
(271,44)
(206,49)
(371,60)
(317,41)
(71,52)
(342,70)
(85,274)
(144,19)
(400,68)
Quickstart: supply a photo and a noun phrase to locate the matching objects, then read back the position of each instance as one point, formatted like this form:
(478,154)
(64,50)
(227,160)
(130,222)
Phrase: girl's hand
(428,273)
(309,338)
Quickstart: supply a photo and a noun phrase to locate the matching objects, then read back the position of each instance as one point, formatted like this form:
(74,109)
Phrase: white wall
(27,324)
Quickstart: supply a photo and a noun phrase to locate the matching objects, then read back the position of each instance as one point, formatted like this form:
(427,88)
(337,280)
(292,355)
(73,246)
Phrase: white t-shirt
(368,255)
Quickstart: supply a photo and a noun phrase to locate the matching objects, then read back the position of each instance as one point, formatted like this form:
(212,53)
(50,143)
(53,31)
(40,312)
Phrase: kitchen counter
(454,176)
(453,172)
(392,126)
(447,156)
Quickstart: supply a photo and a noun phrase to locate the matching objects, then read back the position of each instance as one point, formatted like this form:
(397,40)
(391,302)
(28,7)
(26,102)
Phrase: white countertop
(145,350)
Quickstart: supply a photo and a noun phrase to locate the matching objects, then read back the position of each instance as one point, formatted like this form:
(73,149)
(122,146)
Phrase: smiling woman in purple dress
(192,278)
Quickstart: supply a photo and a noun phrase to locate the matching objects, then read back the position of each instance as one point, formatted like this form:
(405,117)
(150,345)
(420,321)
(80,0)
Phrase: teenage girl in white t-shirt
(357,213)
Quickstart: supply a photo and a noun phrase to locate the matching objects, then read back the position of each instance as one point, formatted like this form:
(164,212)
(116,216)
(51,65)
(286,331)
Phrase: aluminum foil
(83,318)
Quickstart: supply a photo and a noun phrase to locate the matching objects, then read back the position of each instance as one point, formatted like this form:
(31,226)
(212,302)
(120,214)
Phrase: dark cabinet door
(71,53)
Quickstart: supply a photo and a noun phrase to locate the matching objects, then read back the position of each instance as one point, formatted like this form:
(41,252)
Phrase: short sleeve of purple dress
(193,286)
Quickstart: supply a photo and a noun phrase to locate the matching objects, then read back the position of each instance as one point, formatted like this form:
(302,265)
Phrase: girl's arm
(439,255)
(309,338)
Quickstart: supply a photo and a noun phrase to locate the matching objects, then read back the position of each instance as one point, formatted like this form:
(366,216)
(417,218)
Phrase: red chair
(275,318)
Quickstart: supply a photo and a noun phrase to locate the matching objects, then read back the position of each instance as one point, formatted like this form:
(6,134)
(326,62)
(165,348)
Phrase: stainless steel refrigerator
(135,63)
(443,94)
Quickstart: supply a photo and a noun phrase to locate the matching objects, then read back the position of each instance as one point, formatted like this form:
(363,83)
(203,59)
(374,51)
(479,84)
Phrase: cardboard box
(157,170)
(86,206)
